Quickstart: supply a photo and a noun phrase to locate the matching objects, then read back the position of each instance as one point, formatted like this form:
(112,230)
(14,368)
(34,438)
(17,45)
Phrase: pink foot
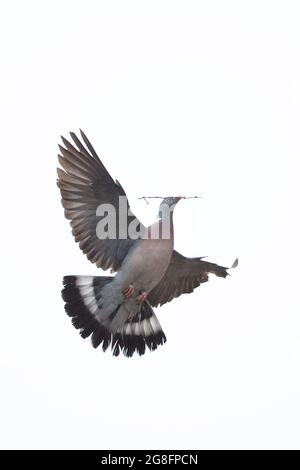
(142,297)
(128,292)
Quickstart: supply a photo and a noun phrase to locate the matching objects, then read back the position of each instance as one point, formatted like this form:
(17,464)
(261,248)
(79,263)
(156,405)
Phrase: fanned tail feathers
(82,296)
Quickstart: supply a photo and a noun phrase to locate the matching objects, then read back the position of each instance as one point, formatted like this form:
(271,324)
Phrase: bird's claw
(128,292)
(142,297)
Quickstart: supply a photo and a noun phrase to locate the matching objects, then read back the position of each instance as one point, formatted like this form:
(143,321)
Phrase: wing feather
(183,276)
(84,184)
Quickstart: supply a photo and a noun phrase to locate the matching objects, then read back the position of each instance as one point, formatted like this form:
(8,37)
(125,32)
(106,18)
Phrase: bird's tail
(83,303)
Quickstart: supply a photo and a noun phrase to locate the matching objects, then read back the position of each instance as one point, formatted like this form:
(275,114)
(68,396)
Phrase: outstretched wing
(183,276)
(84,184)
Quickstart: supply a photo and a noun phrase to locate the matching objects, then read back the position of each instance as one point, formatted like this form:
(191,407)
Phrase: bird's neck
(163,228)
(165,212)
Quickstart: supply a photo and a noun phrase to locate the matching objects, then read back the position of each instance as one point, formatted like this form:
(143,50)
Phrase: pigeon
(117,310)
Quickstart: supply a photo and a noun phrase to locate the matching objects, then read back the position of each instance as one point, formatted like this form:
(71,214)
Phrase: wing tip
(82,133)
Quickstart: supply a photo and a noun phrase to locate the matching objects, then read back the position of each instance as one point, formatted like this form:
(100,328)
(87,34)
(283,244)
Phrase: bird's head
(167,205)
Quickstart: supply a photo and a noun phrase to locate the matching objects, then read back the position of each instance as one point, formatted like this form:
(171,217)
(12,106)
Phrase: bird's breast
(146,264)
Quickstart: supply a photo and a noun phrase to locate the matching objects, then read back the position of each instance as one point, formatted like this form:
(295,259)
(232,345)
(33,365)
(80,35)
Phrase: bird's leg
(128,292)
(142,297)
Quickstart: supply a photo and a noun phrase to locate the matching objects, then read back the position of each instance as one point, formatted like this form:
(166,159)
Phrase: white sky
(178,97)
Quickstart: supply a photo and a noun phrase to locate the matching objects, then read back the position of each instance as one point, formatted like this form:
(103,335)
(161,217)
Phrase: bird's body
(148,260)
(117,310)
(142,269)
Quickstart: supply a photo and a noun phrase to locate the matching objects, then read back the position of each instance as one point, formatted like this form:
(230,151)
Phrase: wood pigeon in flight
(118,310)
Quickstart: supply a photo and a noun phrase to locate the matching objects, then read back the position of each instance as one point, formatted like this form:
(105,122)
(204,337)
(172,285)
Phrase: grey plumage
(117,310)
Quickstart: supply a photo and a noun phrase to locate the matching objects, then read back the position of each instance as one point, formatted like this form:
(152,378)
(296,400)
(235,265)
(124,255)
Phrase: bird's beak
(179,197)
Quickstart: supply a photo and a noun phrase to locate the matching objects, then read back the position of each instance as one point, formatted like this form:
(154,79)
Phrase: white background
(178,97)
